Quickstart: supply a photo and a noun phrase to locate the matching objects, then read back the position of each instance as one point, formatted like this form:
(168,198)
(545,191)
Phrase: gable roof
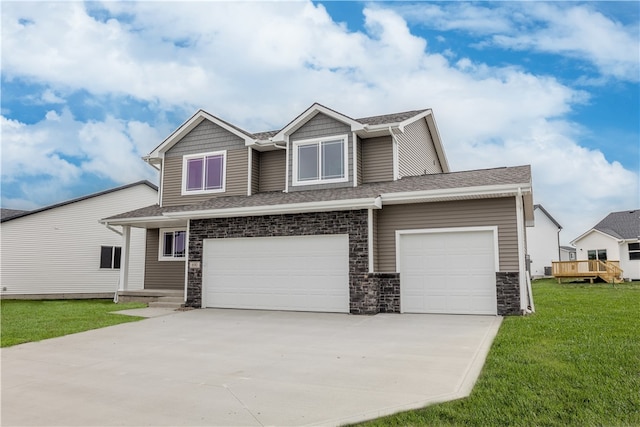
(483,183)
(79,199)
(543,210)
(623,225)
(363,126)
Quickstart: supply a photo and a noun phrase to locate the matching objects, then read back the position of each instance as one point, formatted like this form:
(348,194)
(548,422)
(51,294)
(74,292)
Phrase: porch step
(152,295)
(168,302)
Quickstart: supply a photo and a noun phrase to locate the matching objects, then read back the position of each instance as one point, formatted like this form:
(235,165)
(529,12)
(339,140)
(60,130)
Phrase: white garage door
(448,272)
(302,273)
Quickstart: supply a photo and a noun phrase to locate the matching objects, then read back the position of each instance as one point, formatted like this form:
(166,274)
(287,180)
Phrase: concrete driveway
(248,368)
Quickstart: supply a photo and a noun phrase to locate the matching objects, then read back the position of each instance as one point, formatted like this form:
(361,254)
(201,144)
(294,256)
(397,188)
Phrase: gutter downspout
(115,295)
(526,298)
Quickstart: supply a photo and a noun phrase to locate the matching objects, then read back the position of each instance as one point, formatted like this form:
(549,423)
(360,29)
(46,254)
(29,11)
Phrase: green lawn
(25,321)
(575,362)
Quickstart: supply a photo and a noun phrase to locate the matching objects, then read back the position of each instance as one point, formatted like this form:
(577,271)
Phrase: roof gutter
(349,204)
(487,191)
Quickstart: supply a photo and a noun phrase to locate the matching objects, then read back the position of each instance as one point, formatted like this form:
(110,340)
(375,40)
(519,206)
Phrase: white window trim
(188,157)
(161,256)
(296,144)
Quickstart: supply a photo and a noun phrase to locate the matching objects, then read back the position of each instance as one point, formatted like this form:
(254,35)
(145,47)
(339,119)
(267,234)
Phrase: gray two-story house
(332,214)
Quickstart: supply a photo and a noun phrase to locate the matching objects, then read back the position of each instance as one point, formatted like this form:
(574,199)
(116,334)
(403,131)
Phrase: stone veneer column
(508,293)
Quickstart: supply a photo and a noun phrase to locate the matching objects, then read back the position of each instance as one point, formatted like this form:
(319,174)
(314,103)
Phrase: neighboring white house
(543,242)
(62,251)
(567,253)
(615,238)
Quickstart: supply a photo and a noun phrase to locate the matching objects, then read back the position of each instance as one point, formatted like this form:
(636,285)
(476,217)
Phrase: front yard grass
(26,321)
(575,362)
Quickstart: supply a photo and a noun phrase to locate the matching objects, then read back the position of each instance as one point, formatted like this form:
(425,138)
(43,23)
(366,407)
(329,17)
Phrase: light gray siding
(377,159)
(466,213)
(416,152)
(161,274)
(359,142)
(320,126)
(57,251)
(236,180)
(272,170)
(205,137)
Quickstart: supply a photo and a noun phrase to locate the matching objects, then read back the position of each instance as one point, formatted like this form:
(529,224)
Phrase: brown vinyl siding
(161,274)
(255,171)
(359,142)
(499,212)
(272,170)
(321,126)
(236,180)
(377,159)
(416,152)
(374,244)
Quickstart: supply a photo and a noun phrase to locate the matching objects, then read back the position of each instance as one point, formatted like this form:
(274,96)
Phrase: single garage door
(448,272)
(301,273)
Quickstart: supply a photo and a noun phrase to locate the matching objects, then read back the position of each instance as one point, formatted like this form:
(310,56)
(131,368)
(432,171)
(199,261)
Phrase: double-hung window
(634,251)
(173,244)
(110,257)
(204,173)
(320,161)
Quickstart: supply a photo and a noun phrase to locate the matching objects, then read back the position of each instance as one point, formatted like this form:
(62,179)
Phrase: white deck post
(124,262)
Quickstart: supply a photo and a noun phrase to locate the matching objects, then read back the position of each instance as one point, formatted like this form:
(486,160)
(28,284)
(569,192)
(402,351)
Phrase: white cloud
(576,31)
(260,64)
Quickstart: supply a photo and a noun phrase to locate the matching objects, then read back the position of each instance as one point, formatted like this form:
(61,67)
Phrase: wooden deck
(609,271)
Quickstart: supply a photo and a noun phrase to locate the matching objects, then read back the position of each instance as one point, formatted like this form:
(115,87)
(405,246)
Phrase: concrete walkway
(244,368)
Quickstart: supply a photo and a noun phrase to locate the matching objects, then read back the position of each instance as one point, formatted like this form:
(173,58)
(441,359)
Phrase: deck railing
(609,271)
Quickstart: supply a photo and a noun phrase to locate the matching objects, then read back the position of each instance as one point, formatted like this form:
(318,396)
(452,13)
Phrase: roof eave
(462,193)
(347,204)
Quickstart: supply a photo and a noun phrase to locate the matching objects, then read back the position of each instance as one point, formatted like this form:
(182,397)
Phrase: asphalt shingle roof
(622,225)
(442,181)
(10,213)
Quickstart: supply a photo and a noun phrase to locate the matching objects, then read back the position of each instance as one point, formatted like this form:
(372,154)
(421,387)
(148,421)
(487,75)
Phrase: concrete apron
(245,368)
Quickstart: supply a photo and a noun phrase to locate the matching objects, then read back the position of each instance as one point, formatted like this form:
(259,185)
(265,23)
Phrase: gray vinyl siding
(416,152)
(321,126)
(206,137)
(465,213)
(377,159)
(255,171)
(235,185)
(272,170)
(161,274)
(360,170)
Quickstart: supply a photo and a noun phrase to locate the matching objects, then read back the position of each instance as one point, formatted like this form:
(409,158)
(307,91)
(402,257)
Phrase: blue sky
(89,88)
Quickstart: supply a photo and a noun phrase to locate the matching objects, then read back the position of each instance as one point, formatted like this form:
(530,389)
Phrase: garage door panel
(304,273)
(448,272)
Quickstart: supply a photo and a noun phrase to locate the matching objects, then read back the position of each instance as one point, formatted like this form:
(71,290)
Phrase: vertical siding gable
(377,159)
(320,126)
(205,137)
(416,151)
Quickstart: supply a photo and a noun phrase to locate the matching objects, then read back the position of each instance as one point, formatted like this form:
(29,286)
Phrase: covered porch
(609,271)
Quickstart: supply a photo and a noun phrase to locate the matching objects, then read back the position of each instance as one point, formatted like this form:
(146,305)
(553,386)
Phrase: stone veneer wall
(362,295)
(508,293)
(387,288)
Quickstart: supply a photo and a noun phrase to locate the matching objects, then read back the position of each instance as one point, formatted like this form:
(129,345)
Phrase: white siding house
(543,244)
(62,251)
(615,238)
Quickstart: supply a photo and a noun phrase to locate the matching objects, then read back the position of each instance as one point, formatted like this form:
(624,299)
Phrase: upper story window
(320,161)
(204,173)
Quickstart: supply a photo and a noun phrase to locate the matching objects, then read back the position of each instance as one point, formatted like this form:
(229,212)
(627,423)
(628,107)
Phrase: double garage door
(449,272)
(301,273)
